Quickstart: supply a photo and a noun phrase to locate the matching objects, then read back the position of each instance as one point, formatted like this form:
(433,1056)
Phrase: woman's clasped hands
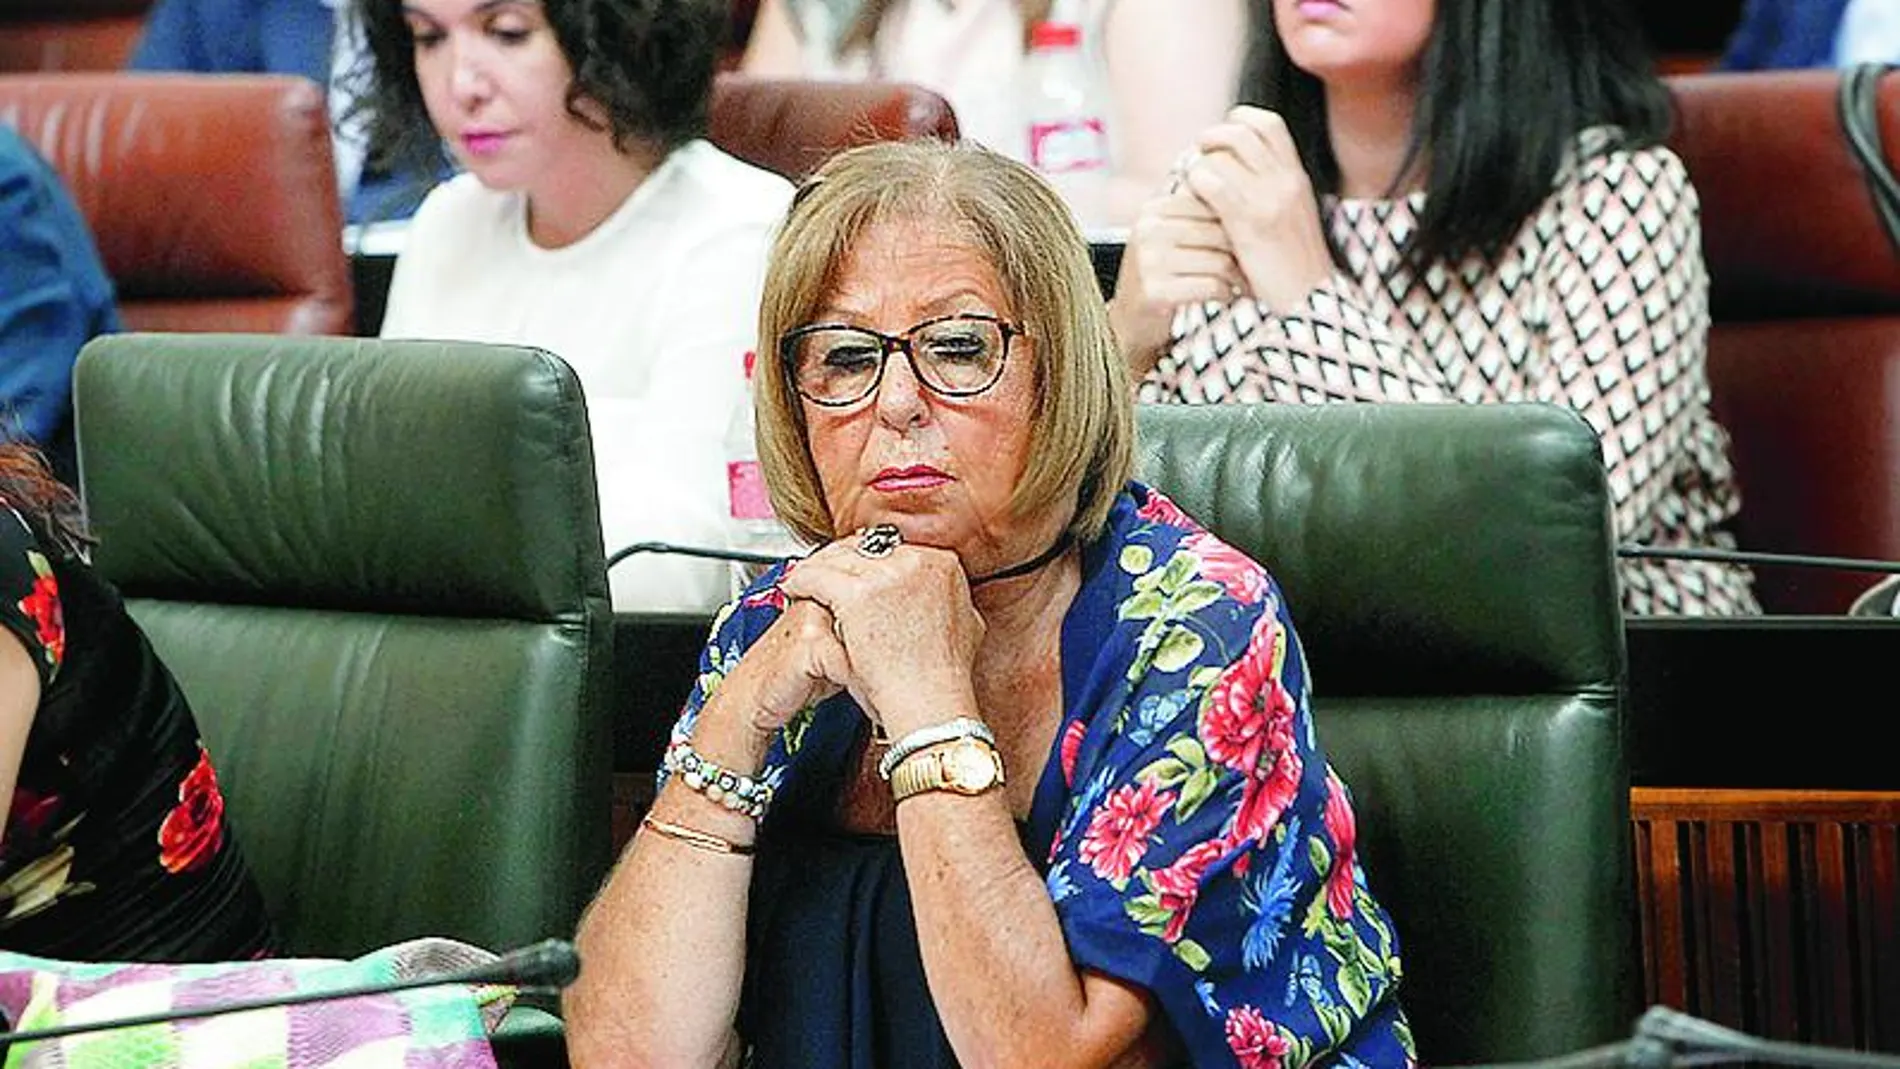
(1239,217)
(894,627)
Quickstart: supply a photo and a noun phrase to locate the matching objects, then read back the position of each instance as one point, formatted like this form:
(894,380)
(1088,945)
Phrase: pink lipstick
(903,480)
(483,142)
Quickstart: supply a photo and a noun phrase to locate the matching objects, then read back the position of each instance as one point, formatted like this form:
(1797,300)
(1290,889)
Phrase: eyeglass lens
(957,356)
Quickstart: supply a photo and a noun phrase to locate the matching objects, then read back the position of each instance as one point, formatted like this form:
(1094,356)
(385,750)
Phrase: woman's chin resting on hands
(1036,777)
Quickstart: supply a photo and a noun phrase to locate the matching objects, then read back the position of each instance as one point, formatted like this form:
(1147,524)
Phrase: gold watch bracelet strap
(962,727)
(930,769)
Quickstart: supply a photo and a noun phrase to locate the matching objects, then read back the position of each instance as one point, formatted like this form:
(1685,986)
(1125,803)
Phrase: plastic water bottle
(752,526)
(1068,135)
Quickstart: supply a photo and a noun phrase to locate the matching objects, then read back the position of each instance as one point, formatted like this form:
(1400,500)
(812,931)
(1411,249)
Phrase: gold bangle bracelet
(693,837)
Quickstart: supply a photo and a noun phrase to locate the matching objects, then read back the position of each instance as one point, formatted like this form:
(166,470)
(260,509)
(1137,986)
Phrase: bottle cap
(1055,35)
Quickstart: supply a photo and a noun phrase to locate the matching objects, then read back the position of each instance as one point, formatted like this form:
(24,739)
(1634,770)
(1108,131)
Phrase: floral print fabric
(1192,835)
(114,845)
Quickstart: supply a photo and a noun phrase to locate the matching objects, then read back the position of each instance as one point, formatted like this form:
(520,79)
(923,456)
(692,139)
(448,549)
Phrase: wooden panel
(1773,911)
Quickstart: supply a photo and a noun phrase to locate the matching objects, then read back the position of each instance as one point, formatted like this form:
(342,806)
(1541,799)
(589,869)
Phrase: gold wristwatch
(967,766)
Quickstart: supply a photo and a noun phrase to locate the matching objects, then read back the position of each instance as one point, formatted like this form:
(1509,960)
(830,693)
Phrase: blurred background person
(54,298)
(1156,71)
(1781,34)
(113,842)
(1495,221)
(312,38)
(594,221)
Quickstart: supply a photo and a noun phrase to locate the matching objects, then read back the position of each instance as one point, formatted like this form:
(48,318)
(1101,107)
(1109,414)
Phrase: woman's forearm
(993,952)
(663,946)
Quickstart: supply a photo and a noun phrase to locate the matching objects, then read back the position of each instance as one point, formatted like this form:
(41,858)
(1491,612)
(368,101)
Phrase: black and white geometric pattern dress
(1600,302)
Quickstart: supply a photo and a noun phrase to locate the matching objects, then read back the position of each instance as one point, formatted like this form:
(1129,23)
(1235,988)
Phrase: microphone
(705,552)
(550,964)
(1687,1039)
(1666,1038)
(1745,556)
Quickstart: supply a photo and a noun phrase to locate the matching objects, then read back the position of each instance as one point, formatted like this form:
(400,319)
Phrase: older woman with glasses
(1018,767)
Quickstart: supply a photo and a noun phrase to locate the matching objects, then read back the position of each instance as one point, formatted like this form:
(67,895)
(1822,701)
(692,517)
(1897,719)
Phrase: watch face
(970,767)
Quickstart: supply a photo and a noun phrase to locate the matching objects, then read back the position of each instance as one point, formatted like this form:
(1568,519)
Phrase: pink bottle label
(745,491)
(1068,146)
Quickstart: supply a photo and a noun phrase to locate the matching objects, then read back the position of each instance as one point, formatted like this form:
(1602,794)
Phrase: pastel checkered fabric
(1600,302)
(426,1027)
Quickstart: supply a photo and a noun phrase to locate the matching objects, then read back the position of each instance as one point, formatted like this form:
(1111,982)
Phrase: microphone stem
(1743,556)
(740,555)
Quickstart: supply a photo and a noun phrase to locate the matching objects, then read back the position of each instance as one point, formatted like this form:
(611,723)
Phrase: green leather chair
(1450,572)
(375,569)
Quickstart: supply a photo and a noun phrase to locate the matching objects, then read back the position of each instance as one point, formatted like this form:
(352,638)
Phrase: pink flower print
(1179,885)
(1246,702)
(771,597)
(1244,581)
(1071,747)
(1344,831)
(1158,509)
(1256,1043)
(1118,831)
(1267,794)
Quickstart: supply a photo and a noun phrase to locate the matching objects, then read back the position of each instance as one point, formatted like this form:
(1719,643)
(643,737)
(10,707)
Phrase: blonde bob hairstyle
(1081,442)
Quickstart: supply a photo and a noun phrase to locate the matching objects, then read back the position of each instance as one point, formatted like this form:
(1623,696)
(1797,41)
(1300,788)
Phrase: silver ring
(1178,173)
(879,540)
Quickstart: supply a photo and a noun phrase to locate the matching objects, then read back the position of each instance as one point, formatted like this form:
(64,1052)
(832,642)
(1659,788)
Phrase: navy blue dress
(1193,838)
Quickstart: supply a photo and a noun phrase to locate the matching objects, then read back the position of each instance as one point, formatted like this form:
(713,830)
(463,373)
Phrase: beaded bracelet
(950,730)
(734,790)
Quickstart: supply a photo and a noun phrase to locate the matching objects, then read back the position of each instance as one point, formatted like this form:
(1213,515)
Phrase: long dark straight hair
(1505,87)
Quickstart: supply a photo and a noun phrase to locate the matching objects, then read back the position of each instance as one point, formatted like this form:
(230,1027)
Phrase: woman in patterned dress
(1495,221)
(1018,767)
(113,840)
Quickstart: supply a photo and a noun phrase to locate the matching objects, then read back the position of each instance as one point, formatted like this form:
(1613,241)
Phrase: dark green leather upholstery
(376,570)
(1450,572)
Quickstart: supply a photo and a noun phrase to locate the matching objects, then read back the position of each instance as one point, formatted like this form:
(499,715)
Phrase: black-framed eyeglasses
(834,364)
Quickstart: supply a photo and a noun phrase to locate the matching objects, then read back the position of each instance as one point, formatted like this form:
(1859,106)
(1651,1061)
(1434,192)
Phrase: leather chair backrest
(790,126)
(376,570)
(1451,577)
(1804,354)
(213,198)
(69,35)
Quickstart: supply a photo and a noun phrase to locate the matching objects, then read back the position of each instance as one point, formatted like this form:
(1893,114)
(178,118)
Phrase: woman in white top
(593,221)
(1169,69)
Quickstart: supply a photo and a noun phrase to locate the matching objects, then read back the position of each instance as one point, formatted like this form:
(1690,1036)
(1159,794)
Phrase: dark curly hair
(647,64)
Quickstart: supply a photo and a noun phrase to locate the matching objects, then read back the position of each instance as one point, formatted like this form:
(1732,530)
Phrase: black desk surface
(1777,701)
(1782,702)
